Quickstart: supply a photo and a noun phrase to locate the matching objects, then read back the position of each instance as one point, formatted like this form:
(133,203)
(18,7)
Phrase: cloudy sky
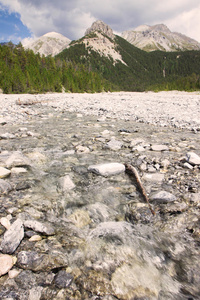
(27,19)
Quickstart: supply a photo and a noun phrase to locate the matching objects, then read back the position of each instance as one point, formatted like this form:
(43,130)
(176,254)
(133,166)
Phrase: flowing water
(107,244)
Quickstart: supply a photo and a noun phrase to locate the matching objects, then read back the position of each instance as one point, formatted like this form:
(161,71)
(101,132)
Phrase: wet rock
(163,197)
(17,159)
(12,237)
(193,158)
(5,187)
(140,212)
(112,231)
(6,263)
(159,148)
(107,169)
(66,183)
(63,279)
(31,260)
(39,227)
(4,172)
(113,145)
(155,177)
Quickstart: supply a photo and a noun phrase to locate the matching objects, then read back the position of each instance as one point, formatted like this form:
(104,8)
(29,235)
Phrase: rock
(136,142)
(31,260)
(35,238)
(7,135)
(193,158)
(63,279)
(163,197)
(39,227)
(188,166)
(102,27)
(66,183)
(113,145)
(26,279)
(155,177)
(5,222)
(35,293)
(4,172)
(112,231)
(6,263)
(108,169)
(18,170)
(17,159)
(159,148)
(12,237)
(13,273)
(80,218)
(82,149)
(5,187)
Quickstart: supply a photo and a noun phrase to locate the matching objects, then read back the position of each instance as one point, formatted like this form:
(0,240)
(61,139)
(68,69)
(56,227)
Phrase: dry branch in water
(131,170)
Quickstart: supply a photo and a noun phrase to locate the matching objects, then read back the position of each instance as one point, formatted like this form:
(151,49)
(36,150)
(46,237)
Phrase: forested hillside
(81,69)
(22,71)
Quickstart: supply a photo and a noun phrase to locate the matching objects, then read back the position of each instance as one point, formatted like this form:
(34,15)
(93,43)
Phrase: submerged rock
(108,169)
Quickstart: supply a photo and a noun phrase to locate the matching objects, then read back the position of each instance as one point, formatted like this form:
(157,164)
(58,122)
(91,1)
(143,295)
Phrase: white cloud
(72,18)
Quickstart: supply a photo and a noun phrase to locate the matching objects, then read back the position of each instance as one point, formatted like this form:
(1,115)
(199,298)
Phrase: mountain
(50,43)
(126,67)
(159,37)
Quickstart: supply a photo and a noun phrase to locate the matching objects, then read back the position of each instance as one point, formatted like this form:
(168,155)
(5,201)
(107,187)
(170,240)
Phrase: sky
(25,20)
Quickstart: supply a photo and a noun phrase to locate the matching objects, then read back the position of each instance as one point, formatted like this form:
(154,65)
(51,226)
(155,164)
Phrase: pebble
(4,172)
(17,159)
(113,145)
(159,148)
(107,169)
(5,187)
(6,263)
(163,196)
(39,227)
(12,237)
(66,183)
(63,279)
(193,158)
(5,222)
(154,177)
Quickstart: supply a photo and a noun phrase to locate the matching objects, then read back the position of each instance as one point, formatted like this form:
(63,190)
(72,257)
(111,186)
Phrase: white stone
(155,177)
(13,273)
(6,263)
(18,170)
(39,227)
(107,169)
(5,222)
(193,158)
(66,183)
(17,159)
(4,172)
(159,148)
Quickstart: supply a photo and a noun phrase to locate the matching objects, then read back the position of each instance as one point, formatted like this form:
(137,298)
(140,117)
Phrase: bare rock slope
(50,43)
(159,37)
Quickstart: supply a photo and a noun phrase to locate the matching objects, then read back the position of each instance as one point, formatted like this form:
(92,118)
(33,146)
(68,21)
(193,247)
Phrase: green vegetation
(22,71)
(81,69)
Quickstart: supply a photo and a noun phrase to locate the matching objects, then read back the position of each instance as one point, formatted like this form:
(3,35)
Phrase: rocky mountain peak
(50,43)
(102,27)
(159,37)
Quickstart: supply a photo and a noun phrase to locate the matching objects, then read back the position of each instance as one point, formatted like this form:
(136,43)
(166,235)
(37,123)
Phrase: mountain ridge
(145,37)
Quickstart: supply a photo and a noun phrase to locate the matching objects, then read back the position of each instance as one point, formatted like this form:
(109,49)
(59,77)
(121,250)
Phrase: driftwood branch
(131,170)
